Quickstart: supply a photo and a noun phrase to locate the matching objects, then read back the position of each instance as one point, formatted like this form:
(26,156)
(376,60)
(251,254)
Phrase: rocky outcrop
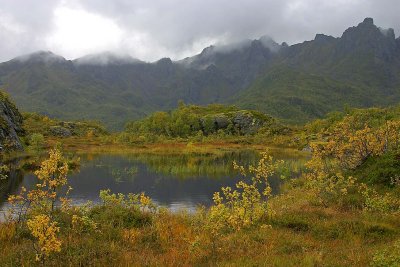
(60,131)
(367,38)
(221,121)
(72,128)
(10,124)
(322,38)
(247,123)
(243,122)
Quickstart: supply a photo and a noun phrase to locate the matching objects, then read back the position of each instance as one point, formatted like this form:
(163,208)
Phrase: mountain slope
(296,83)
(114,89)
(305,81)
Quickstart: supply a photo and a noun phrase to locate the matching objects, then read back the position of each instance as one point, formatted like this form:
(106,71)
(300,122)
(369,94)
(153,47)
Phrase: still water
(174,181)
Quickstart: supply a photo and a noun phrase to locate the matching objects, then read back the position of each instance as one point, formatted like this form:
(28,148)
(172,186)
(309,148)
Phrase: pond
(175,181)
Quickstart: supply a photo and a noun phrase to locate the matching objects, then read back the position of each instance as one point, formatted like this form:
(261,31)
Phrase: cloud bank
(149,30)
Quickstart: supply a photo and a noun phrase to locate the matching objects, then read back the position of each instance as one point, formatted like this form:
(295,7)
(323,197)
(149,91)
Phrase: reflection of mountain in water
(177,181)
(193,165)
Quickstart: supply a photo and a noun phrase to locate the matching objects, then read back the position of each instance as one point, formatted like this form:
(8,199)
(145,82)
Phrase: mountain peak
(388,33)
(208,50)
(366,31)
(369,21)
(367,26)
(368,38)
(319,37)
(268,42)
(106,58)
(40,56)
(164,61)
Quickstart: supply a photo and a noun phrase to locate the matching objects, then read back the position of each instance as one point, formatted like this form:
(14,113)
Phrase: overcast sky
(149,30)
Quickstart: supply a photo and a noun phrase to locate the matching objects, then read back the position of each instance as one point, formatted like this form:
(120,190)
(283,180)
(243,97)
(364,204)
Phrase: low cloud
(149,30)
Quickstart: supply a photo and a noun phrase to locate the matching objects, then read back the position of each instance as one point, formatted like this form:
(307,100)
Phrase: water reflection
(176,181)
(11,183)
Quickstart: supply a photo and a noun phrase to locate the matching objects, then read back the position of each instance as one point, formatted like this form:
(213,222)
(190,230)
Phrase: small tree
(45,233)
(36,141)
(52,176)
(39,203)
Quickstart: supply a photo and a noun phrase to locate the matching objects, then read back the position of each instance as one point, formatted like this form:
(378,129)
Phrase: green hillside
(295,83)
(360,69)
(297,96)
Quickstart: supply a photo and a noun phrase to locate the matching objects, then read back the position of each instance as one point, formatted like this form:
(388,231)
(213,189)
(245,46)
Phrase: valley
(248,154)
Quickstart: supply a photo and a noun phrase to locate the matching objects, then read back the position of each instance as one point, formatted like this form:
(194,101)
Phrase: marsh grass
(300,234)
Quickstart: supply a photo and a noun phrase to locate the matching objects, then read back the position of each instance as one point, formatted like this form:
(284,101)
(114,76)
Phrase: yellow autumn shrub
(45,233)
(345,147)
(247,204)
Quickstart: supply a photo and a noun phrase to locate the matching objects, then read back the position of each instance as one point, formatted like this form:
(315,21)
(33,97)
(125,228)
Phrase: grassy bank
(343,210)
(305,225)
(299,234)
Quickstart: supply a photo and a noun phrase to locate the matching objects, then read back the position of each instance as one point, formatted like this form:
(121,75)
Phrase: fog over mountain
(150,30)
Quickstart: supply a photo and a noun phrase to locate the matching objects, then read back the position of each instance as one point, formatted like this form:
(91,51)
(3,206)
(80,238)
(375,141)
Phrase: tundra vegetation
(342,210)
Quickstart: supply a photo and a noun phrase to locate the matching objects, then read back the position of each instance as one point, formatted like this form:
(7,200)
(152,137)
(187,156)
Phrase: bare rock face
(10,124)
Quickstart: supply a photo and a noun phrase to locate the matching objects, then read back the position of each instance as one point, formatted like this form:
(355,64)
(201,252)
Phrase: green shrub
(380,170)
(293,222)
(36,141)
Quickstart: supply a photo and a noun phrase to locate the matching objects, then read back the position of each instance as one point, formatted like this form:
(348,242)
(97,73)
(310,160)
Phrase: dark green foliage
(118,216)
(373,117)
(39,124)
(380,170)
(343,229)
(293,222)
(36,141)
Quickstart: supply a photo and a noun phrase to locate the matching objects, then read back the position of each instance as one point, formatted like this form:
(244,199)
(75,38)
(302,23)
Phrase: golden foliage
(345,147)
(44,230)
(351,145)
(387,203)
(247,204)
(138,201)
(52,176)
(39,203)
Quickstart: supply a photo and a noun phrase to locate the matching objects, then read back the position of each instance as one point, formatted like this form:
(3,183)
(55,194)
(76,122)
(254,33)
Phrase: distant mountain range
(295,83)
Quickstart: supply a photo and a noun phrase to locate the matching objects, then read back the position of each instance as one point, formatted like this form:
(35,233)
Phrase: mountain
(113,89)
(107,58)
(295,83)
(307,80)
